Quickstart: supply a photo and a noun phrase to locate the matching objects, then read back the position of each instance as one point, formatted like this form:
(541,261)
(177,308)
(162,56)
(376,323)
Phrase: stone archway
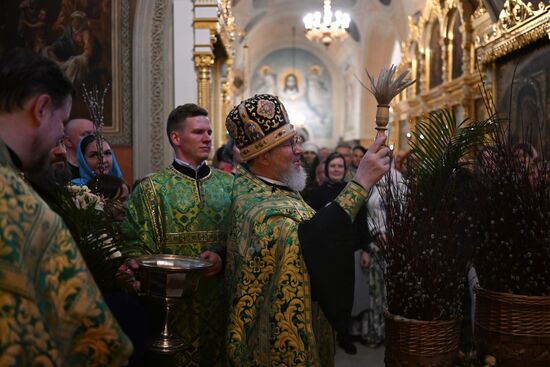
(152,90)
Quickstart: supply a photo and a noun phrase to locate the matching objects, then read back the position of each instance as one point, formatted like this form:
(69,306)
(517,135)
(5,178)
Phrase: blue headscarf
(86,172)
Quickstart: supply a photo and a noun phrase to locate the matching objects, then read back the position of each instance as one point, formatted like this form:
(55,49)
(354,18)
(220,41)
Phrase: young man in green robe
(284,261)
(183,210)
(52,313)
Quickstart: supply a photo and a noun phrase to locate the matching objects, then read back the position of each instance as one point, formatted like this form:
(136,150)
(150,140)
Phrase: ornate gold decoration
(480,11)
(460,92)
(519,24)
(228,29)
(215,74)
(227,91)
(196,237)
(203,65)
(268,142)
(515,13)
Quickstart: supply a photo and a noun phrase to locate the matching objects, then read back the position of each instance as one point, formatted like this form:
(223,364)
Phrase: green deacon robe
(51,311)
(183,212)
(279,251)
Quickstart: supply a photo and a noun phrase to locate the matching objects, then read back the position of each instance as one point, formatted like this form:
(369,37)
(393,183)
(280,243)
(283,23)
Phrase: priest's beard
(295,179)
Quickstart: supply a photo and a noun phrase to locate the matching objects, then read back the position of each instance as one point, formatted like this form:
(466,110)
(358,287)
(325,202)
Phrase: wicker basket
(514,328)
(420,343)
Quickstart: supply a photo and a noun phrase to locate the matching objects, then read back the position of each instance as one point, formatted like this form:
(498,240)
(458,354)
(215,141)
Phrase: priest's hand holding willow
(374,164)
(215,259)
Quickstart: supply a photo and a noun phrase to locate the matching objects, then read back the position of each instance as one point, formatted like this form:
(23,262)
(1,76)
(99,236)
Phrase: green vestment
(271,320)
(173,212)
(51,311)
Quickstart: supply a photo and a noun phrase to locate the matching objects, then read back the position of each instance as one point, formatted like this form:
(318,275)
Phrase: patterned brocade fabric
(270,318)
(51,311)
(351,198)
(173,213)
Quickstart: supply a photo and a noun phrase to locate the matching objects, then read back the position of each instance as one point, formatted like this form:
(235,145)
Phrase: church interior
(155,55)
(478,59)
(220,52)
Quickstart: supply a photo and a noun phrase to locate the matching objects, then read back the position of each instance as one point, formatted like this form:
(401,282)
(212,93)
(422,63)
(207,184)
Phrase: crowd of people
(272,215)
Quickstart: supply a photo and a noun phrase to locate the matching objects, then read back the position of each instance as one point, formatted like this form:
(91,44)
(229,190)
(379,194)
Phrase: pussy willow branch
(96,104)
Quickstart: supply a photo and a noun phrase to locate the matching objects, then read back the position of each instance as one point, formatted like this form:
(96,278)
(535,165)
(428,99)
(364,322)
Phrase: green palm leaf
(424,254)
(439,149)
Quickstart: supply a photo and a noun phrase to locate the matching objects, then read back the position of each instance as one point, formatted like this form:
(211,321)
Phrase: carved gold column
(227,91)
(203,66)
(215,32)
(447,55)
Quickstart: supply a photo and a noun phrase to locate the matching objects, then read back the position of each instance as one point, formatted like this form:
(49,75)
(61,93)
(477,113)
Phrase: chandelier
(326,27)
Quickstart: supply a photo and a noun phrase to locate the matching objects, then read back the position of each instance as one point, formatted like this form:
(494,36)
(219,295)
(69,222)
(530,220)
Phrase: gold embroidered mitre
(259,124)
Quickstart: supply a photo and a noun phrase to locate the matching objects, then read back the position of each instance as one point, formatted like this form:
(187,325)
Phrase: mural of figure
(349,123)
(68,7)
(291,86)
(528,123)
(75,49)
(317,96)
(267,85)
(34,31)
(303,83)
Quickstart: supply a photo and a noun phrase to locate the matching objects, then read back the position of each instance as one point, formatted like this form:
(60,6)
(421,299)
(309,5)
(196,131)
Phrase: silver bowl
(167,279)
(170,277)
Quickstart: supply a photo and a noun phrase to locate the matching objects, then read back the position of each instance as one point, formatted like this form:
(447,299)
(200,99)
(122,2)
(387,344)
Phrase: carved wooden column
(203,66)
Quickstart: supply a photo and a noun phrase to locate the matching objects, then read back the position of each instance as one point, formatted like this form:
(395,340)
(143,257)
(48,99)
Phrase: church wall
(382,26)
(304,84)
(153,88)
(272,30)
(376,27)
(262,42)
(123,156)
(383,42)
(185,81)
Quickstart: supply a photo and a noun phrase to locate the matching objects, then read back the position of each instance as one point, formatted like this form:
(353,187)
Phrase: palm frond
(425,255)
(440,148)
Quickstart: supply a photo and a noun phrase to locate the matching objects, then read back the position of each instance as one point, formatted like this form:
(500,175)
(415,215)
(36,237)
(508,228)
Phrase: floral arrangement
(93,229)
(424,248)
(83,198)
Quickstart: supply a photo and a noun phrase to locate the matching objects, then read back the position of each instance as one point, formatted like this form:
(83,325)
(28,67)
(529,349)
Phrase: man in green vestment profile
(183,210)
(284,261)
(52,313)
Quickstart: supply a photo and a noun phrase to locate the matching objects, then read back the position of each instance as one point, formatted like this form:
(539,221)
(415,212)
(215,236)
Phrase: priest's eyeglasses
(294,143)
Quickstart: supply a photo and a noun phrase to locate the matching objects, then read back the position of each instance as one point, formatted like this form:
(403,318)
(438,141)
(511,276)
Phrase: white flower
(83,198)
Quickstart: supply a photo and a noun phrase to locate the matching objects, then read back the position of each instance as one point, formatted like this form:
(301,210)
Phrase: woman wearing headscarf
(92,163)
